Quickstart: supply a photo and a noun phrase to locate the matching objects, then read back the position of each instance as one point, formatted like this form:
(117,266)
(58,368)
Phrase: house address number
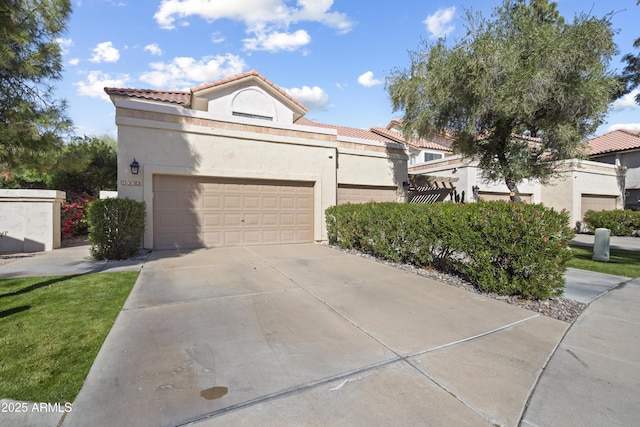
(132,183)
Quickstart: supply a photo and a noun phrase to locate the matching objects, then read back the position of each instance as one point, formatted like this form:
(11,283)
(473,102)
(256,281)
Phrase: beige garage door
(193,212)
(598,203)
(363,194)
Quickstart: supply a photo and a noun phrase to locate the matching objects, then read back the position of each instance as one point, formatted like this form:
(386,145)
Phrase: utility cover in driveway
(193,212)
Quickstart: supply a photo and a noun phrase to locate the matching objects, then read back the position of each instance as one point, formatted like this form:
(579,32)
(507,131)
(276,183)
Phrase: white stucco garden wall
(31,220)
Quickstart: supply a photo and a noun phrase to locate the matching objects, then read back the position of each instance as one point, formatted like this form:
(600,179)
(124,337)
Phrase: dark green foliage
(86,166)
(510,249)
(525,71)
(32,121)
(631,73)
(116,228)
(620,222)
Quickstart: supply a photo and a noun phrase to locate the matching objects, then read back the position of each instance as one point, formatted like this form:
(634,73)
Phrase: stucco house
(581,185)
(235,162)
(621,148)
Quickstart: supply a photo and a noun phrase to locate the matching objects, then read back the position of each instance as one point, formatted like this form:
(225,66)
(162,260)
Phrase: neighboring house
(621,148)
(579,186)
(421,150)
(234,162)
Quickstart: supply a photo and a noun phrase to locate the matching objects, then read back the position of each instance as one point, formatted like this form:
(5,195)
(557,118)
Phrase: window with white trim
(432,156)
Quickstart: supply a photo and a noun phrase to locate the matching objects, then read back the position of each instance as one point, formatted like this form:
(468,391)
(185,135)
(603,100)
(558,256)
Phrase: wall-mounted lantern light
(135,167)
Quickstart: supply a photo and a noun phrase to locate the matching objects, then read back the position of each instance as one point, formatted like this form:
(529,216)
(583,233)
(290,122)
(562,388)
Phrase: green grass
(51,329)
(621,263)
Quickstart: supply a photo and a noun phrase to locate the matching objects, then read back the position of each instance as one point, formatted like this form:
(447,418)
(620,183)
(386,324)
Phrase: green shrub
(620,222)
(510,249)
(116,228)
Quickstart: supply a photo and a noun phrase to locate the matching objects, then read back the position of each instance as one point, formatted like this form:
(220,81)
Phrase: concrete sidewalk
(63,261)
(593,378)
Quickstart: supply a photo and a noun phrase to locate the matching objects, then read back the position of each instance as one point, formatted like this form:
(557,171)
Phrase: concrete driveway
(305,334)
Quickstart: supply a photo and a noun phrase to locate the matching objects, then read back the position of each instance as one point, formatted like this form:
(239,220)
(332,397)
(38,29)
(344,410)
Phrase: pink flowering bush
(74,218)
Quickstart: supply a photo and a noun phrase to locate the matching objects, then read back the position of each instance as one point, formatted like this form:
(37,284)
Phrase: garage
(362,194)
(194,212)
(595,202)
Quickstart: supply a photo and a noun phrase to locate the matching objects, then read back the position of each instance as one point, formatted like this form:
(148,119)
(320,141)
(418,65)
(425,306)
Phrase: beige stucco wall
(581,177)
(469,175)
(31,219)
(173,140)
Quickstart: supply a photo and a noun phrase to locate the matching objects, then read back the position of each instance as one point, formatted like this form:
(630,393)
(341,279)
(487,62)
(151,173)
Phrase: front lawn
(51,329)
(621,263)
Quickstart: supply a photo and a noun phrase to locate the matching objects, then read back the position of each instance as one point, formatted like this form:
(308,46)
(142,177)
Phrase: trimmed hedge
(116,228)
(620,222)
(510,249)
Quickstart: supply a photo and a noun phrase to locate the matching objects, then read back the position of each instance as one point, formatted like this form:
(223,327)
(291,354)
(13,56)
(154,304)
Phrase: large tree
(524,72)
(32,120)
(631,73)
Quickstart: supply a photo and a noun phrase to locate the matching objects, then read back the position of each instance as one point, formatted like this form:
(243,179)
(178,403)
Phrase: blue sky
(331,55)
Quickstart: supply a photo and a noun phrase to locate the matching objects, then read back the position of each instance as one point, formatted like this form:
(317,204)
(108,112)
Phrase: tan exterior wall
(176,141)
(31,219)
(581,177)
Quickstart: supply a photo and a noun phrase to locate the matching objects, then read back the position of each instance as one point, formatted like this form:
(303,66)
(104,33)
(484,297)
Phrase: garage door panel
(252,219)
(305,220)
(252,202)
(232,219)
(211,220)
(211,201)
(269,219)
(197,212)
(232,202)
(269,202)
(287,203)
(213,238)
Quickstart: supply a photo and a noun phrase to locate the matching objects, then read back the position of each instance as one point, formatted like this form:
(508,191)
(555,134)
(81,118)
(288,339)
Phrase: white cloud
(153,49)
(74,61)
(96,81)
(184,72)
(265,20)
(217,37)
(314,98)
(277,41)
(367,79)
(627,101)
(105,52)
(624,126)
(438,23)
(65,44)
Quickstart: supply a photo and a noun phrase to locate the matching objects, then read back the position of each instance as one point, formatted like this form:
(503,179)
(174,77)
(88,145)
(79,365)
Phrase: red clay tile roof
(173,96)
(442,145)
(617,140)
(184,98)
(346,131)
(251,73)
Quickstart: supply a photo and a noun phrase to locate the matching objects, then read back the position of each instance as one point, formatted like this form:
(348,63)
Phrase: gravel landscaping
(556,307)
